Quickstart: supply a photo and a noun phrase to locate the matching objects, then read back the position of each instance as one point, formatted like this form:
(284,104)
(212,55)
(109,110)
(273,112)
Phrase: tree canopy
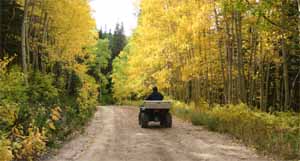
(222,51)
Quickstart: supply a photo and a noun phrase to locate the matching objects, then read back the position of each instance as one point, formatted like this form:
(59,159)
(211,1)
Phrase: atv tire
(144,120)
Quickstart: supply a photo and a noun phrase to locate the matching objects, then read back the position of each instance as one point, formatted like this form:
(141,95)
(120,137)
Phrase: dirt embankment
(114,135)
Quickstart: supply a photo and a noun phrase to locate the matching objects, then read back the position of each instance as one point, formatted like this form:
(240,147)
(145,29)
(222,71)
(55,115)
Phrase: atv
(156,111)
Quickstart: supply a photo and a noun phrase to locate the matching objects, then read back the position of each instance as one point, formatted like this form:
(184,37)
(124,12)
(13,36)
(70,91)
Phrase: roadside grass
(276,134)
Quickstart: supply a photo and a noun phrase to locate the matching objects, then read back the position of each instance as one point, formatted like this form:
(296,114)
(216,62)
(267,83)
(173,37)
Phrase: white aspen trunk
(220,55)
(24,50)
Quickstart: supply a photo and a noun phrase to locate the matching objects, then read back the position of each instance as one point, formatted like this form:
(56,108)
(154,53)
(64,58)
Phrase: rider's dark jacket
(155,96)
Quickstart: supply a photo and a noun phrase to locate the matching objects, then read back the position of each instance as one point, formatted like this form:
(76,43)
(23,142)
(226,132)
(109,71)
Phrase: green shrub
(182,110)
(42,114)
(13,89)
(106,99)
(41,89)
(198,118)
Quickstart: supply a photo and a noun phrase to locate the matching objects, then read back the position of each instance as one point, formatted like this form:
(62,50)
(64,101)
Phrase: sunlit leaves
(5,150)
(71,28)
(169,41)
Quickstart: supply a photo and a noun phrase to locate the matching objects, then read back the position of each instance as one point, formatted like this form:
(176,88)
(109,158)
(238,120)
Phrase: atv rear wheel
(168,120)
(140,119)
(144,120)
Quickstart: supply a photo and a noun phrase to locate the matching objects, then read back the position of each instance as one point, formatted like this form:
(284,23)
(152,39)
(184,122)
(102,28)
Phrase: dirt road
(114,135)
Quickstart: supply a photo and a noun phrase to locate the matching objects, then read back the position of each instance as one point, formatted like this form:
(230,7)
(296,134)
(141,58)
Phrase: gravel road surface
(114,135)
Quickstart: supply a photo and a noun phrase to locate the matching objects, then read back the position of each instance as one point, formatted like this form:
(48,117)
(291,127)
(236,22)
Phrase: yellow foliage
(51,125)
(61,31)
(17,131)
(33,145)
(88,93)
(275,133)
(8,113)
(169,42)
(55,113)
(3,63)
(196,41)
(72,27)
(5,150)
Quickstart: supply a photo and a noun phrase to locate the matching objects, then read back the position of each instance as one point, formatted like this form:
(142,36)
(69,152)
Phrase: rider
(155,95)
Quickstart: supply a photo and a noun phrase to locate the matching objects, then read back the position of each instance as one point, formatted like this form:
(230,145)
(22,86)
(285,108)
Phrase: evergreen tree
(118,40)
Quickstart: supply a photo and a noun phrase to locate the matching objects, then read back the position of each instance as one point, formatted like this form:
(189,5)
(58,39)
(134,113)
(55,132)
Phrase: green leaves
(41,89)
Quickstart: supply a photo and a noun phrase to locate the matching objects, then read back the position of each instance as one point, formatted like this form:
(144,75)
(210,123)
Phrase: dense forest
(219,51)
(234,65)
(54,69)
(113,44)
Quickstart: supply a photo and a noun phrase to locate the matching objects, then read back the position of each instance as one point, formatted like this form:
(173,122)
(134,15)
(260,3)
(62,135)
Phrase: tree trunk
(298,3)
(229,63)
(278,86)
(262,76)
(241,75)
(266,99)
(30,30)
(207,83)
(44,42)
(252,71)
(293,92)
(235,88)
(24,50)
(220,55)
(285,76)
(27,46)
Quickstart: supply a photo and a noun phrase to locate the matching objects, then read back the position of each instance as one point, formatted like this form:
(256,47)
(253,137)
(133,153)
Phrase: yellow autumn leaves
(27,146)
(169,45)
(55,116)
(219,50)
(69,27)
(72,28)
(5,150)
